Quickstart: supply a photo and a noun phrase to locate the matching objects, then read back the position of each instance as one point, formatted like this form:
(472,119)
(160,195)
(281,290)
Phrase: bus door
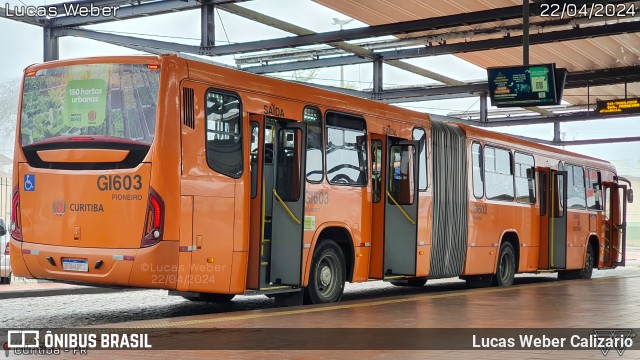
(553,224)
(256,265)
(615,213)
(401,208)
(378,190)
(288,204)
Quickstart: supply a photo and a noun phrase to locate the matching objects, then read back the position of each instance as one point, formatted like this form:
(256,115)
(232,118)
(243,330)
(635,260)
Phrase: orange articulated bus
(172,173)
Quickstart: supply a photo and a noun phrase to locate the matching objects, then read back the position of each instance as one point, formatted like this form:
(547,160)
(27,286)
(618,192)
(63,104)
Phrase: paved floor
(374,328)
(385,328)
(34,289)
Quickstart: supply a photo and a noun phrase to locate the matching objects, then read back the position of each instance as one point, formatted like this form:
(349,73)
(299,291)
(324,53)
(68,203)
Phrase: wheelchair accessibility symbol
(29,182)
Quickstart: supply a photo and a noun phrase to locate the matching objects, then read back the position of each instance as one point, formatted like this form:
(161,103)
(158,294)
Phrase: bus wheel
(327,275)
(506,265)
(415,282)
(214,298)
(587,271)
(5,280)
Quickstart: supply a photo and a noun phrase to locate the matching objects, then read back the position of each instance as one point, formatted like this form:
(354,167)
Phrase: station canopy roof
(603,52)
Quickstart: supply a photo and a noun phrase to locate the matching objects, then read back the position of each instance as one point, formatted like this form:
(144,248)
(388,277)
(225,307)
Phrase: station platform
(562,307)
(37,289)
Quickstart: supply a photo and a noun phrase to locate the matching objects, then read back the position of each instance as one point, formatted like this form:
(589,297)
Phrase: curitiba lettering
(86,208)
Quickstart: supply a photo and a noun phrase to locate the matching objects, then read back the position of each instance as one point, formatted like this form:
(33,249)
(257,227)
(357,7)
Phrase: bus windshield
(115,100)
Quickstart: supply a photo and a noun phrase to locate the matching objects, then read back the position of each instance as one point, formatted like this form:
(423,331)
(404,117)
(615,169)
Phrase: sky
(22,46)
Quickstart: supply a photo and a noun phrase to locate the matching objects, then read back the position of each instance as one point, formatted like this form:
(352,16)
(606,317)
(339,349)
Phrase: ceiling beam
(398,28)
(570,117)
(575,80)
(596,141)
(397,43)
(128,40)
(404,27)
(9,14)
(461,47)
(131,10)
(357,50)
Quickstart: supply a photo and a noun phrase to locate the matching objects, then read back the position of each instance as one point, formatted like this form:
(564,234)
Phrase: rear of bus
(89,204)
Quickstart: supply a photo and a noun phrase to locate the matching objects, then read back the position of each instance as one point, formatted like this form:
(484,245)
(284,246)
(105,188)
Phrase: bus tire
(212,298)
(506,268)
(587,271)
(327,274)
(414,282)
(5,280)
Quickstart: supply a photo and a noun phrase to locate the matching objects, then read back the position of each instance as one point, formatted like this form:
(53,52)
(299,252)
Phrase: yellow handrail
(286,207)
(401,209)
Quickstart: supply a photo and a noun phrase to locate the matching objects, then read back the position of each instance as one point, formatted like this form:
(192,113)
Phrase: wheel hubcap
(325,276)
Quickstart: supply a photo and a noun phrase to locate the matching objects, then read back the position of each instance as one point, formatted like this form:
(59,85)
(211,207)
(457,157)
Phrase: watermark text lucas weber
(67,9)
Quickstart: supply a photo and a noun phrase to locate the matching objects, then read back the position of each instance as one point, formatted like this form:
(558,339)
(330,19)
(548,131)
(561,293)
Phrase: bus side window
(576,198)
(477,173)
(525,182)
(253,158)
(314,164)
(346,149)
(559,208)
(498,173)
(594,191)
(376,169)
(401,179)
(419,134)
(223,139)
(288,164)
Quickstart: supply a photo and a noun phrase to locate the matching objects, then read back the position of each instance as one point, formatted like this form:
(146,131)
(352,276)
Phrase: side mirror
(3,228)
(630,196)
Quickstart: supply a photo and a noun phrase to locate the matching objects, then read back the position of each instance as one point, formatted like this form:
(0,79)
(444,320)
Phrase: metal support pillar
(484,111)
(556,132)
(208,25)
(525,32)
(377,78)
(50,45)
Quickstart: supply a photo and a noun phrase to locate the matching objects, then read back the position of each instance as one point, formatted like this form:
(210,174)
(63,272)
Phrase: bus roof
(353,103)
(503,139)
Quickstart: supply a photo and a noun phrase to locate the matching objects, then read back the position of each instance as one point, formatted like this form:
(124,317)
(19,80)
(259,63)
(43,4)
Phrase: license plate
(75,265)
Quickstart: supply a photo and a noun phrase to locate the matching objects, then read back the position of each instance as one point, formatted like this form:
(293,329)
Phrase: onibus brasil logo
(614,338)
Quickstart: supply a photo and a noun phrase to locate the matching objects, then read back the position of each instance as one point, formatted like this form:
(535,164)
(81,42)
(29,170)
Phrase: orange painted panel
(211,261)
(64,199)
(424,233)
(482,260)
(532,258)
(156,266)
(578,223)
(423,260)
(376,257)
(361,267)
(186,241)
(345,207)
(18,266)
(238,272)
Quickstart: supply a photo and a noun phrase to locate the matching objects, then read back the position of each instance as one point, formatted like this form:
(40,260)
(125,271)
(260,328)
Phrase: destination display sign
(519,86)
(618,106)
